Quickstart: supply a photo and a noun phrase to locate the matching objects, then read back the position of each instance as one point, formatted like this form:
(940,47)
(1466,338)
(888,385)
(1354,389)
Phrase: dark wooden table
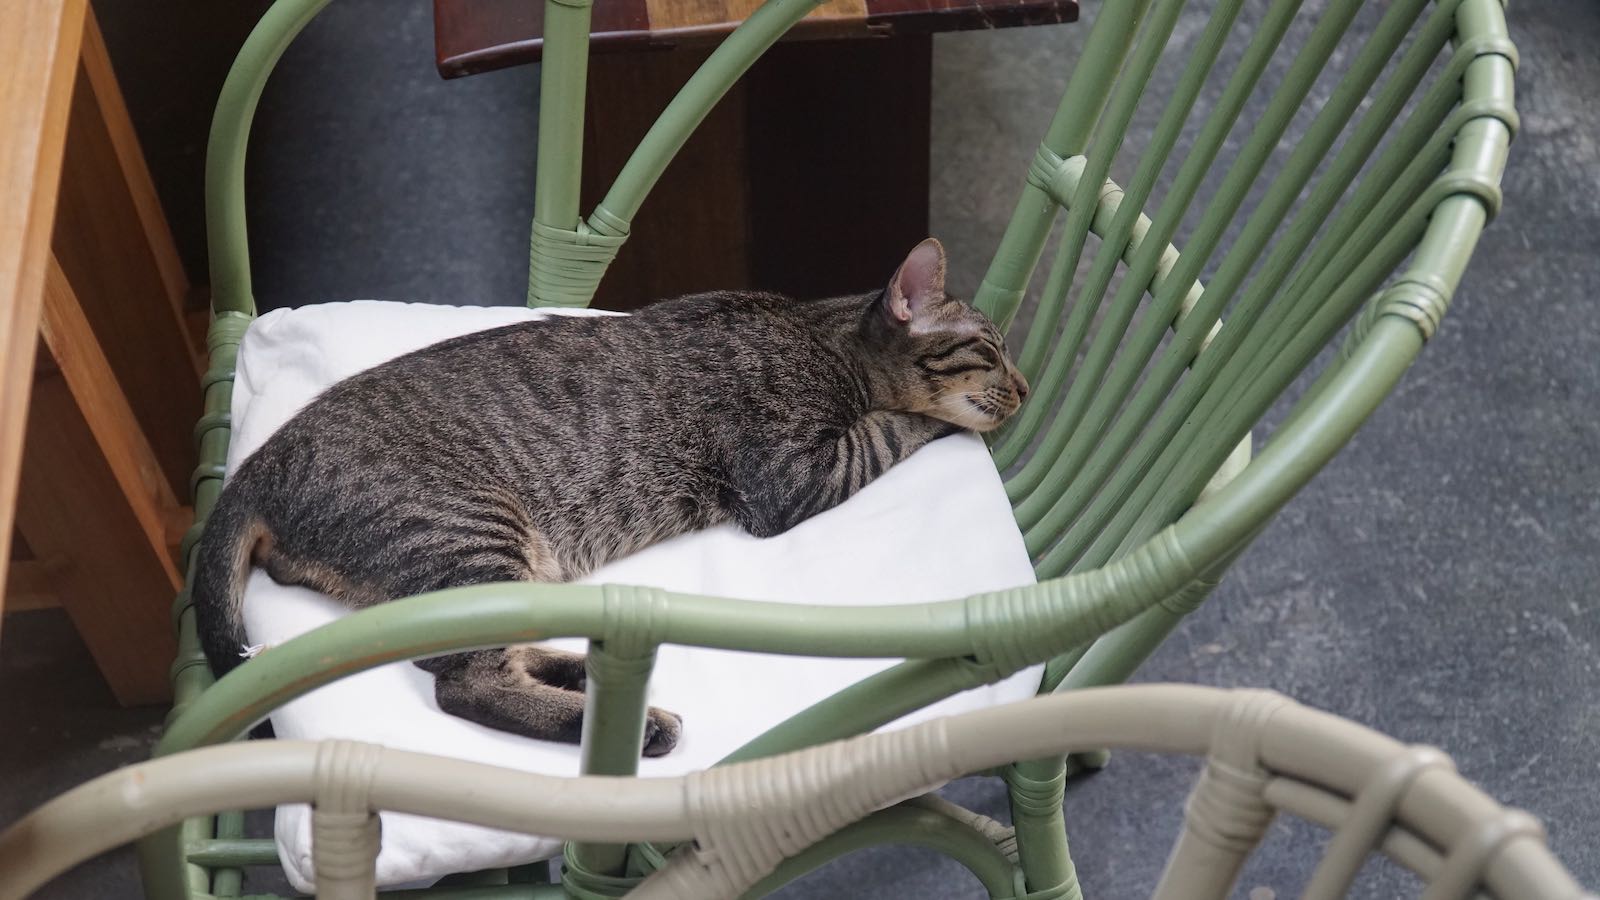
(810,177)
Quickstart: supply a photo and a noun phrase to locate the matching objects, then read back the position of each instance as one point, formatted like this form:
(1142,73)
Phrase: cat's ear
(918,285)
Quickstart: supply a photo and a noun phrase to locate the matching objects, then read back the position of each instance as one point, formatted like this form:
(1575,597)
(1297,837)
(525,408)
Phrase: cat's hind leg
(533,691)
(529,690)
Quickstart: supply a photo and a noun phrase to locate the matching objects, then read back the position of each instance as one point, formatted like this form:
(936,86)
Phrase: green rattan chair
(758,824)
(1128,468)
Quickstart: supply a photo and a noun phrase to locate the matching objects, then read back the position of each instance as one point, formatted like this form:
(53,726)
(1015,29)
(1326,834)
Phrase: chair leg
(1118,654)
(1036,788)
(1087,761)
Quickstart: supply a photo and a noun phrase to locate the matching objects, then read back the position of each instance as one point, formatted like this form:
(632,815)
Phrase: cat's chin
(964,413)
(988,425)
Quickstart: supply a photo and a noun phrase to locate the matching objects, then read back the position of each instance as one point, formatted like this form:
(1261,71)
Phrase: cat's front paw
(661,732)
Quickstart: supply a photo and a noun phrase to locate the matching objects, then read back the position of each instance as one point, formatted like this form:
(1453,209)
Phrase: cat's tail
(233,533)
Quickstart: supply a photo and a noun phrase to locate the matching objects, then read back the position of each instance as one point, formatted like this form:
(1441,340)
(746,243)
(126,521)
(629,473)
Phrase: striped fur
(542,450)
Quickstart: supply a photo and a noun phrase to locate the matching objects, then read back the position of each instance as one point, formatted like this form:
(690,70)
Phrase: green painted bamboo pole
(1124,101)
(1396,179)
(613,732)
(1024,428)
(567,257)
(1109,133)
(1072,438)
(1085,97)
(869,704)
(234,852)
(1058,667)
(1376,253)
(1115,657)
(1100,537)
(689,108)
(1036,788)
(1108,462)
(1049,383)
(563,79)
(1300,450)
(1215,375)
(1487,52)
(163,868)
(1050,463)
(228,881)
(1336,293)
(228,245)
(1360,266)
(1008,629)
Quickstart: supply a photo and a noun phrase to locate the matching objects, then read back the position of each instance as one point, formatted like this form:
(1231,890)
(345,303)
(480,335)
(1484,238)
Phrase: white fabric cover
(935,527)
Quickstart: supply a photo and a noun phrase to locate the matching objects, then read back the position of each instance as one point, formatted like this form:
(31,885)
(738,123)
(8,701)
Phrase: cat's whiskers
(967,409)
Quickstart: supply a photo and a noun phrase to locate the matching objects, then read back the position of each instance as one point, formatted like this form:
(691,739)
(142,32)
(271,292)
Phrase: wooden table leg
(809,178)
(112,241)
(32,583)
(689,236)
(95,503)
(39,41)
(113,398)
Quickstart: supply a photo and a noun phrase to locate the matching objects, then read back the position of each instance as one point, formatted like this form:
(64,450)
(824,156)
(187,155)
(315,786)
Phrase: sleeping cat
(540,451)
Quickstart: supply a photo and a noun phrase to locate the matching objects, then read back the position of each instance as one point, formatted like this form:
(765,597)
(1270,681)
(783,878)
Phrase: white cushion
(935,527)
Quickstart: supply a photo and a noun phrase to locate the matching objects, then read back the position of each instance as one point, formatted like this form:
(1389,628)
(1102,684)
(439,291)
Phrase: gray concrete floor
(1436,581)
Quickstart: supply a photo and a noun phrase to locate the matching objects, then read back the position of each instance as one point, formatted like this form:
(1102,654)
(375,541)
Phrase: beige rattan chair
(760,823)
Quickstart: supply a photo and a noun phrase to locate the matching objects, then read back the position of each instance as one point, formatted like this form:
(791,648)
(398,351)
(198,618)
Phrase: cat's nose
(1021,385)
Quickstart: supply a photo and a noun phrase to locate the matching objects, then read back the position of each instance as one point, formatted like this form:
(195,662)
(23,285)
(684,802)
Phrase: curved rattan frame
(1130,531)
(751,823)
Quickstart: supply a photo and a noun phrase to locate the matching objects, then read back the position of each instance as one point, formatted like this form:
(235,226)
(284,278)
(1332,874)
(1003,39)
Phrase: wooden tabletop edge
(454,60)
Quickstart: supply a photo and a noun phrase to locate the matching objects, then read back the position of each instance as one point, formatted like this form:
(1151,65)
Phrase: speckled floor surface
(1436,581)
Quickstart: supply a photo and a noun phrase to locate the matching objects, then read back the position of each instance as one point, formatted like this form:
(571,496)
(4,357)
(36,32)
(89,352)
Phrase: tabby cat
(540,451)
